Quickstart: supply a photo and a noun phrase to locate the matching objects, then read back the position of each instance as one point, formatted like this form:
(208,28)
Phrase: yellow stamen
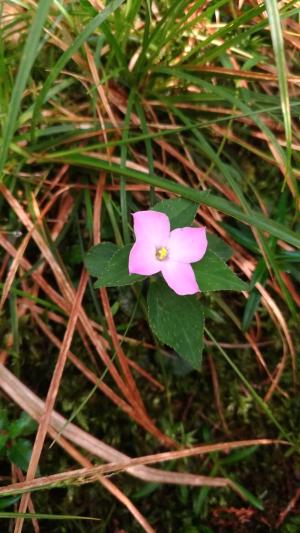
(161,253)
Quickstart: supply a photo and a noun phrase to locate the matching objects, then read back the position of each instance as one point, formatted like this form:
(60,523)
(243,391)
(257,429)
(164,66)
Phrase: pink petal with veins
(151,227)
(180,277)
(142,259)
(187,245)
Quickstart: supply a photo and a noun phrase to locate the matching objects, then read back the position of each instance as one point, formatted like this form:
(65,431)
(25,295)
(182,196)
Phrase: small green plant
(13,445)
(175,315)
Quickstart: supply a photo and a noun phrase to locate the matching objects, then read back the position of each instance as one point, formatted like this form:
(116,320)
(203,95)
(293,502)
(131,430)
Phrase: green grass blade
(228,36)
(278,46)
(41,516)
(225,206)
(248,496)
(40,301)
(116,48)
(27,60)
(67,131)
(159,34)
(66,56)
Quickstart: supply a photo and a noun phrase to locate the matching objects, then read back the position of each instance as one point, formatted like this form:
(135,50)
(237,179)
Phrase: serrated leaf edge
(118,281)
(170,346)
(221,290)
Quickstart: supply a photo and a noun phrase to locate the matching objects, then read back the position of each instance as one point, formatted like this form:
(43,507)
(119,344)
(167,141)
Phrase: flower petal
(187,245)
(180,277)
(151,226)
(142,259)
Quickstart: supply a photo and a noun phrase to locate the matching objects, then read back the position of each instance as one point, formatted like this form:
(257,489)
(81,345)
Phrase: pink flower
(157,249)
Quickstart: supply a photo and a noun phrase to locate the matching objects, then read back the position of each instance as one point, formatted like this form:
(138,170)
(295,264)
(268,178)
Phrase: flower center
(161,253)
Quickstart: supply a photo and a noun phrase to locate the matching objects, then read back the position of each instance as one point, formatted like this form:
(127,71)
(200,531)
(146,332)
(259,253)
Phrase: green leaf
(25,425)
(20,452)
(116,273)
(98,257)
(181,212)
(3,419)
(213,274)
(219,247)
(177,321)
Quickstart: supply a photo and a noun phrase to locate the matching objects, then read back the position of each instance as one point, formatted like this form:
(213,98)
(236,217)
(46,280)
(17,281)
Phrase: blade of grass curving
(94,24)
(27,60)
(253,218)
(278,46)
